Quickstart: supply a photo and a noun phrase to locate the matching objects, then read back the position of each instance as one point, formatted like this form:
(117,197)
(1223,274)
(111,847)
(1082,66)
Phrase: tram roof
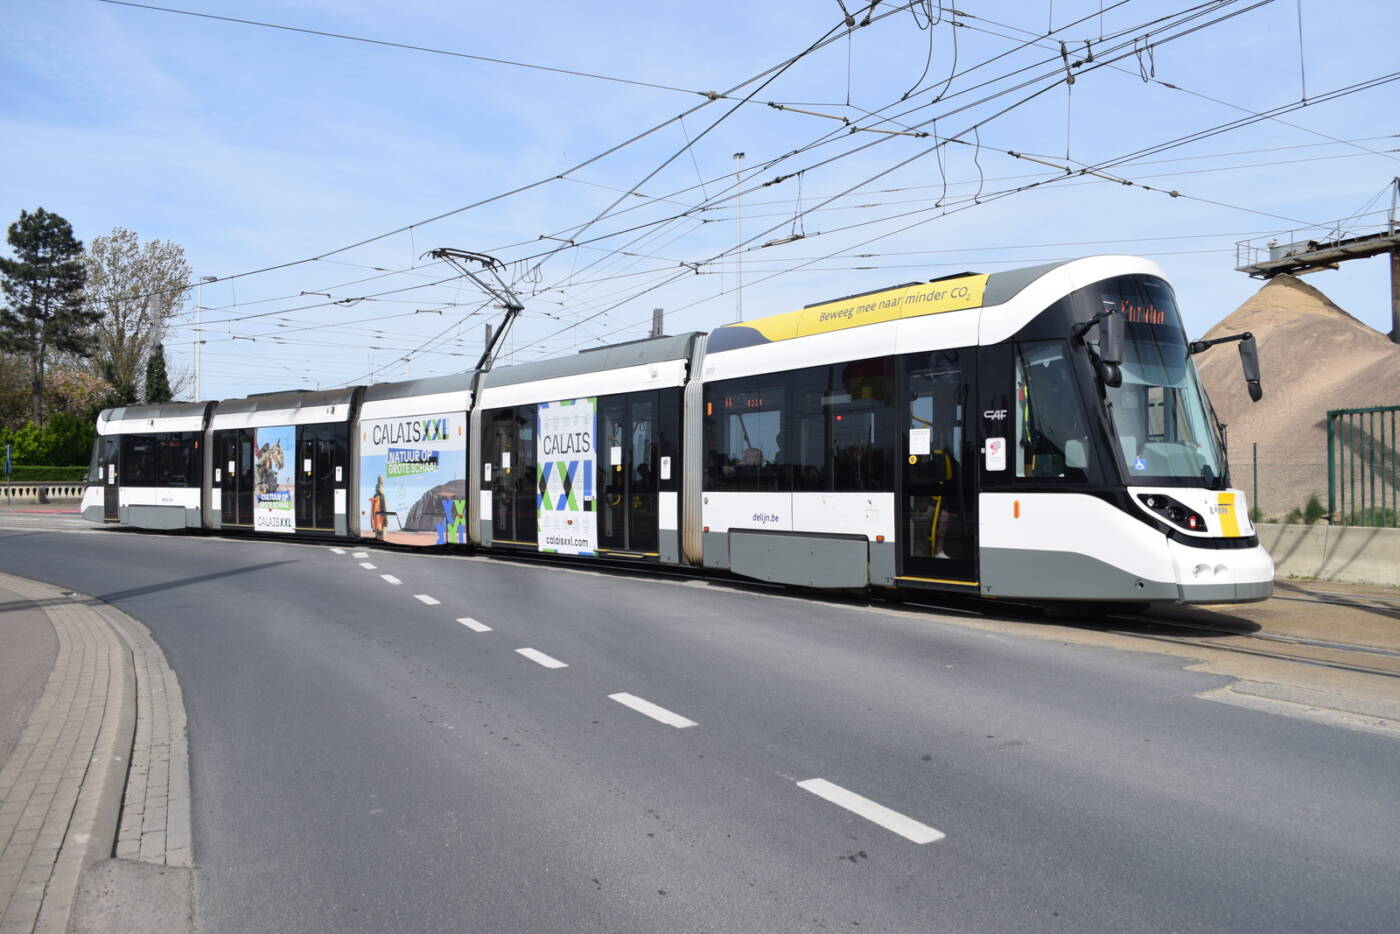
(595,360)
(163,410)
(427,386)
(296,399)
(950,293)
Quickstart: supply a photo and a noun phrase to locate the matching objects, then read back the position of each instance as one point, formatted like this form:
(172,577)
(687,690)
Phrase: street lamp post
(199,333)
(738,238)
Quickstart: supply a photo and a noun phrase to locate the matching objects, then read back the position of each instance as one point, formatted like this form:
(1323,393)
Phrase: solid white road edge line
(540,658)
(652,710)
(431,601)
(366,565)
(473,625)
(906,827)
(390,579)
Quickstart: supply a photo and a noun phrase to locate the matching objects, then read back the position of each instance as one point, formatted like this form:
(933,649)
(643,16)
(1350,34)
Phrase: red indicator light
(840,418)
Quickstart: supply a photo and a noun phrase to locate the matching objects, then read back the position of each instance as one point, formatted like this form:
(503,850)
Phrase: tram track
(1334,664)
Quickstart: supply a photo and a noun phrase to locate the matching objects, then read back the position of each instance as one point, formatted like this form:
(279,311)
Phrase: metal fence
(1363,466)
(1281,483)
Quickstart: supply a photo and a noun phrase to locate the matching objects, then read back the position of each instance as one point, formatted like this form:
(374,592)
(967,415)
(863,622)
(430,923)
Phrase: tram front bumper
(1209,575)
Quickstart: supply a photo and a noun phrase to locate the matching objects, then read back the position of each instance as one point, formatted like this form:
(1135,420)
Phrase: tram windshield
(1162,422)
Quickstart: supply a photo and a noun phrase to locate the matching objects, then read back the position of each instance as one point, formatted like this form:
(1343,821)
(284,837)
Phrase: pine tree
(157,382)
(44,311)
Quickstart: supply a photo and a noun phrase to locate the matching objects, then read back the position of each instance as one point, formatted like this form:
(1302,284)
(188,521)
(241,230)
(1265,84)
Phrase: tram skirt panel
(800,560)
(1065,575)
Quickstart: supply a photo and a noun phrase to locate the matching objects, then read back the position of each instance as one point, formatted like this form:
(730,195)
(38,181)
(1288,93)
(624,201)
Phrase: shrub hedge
(25,473)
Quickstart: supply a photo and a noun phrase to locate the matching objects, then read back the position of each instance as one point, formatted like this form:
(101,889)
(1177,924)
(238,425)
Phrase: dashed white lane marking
(473,625)
(539,657)
(360,554)
(341,551)
(906,827)
(390,579)
(366,565)
(431,601)
(652,710)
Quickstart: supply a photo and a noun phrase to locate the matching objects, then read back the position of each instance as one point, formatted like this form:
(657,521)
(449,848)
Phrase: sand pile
(1314,357)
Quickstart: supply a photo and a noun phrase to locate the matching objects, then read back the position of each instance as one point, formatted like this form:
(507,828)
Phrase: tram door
(939,496)
(315,473)
(233,459)
(510,450)
(627,464)
(111,490)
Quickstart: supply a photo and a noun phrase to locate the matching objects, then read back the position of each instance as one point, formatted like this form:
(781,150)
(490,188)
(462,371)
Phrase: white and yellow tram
(1039,434)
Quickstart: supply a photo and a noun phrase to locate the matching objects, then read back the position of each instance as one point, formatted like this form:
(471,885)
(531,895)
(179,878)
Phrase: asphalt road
(363,761)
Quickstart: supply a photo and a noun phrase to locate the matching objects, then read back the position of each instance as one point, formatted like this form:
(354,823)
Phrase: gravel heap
(1313,357)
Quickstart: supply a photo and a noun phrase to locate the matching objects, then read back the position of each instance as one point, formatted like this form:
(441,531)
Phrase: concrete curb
(105,758)
(1354,555)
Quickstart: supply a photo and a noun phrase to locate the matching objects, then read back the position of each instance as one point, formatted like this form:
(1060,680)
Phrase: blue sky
(254,147)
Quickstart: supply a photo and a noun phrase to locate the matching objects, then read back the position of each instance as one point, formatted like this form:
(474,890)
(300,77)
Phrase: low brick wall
(1334,552)
(17,494)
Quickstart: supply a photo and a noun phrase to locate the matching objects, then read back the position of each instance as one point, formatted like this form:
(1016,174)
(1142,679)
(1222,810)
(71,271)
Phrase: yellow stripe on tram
(1226,509)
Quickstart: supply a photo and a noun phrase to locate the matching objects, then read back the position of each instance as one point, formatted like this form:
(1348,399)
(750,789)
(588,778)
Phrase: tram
(1038,434)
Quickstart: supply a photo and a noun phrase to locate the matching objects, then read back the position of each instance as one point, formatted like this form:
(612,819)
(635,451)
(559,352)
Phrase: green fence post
(1255,446)
(1331,471)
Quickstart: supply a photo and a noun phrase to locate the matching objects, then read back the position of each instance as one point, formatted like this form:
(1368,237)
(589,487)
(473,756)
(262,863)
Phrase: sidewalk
(92,741)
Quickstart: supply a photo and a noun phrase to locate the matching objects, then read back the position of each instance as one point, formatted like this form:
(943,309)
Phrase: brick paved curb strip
(62,787)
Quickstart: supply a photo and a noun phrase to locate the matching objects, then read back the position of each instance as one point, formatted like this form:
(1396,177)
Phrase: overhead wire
(410,47)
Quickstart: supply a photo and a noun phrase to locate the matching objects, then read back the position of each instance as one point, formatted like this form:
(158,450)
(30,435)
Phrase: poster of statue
(274,479)
(413,479)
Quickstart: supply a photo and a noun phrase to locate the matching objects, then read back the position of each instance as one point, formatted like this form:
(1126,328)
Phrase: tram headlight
(1174,512)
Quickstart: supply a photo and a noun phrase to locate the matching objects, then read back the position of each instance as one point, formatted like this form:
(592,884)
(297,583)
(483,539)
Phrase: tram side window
(140,460)
(170,459)
(1052,439)
(860,412)
(820,429)
(743,422)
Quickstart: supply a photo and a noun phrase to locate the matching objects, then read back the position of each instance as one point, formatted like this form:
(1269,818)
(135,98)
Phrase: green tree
(137,288)
(43,285)
(157,382)
(67,440)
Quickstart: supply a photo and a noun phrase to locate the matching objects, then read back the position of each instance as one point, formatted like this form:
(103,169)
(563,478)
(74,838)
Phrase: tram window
(827,428)
(1052,438)
(742,427)
(804,447)
(140,460)
(174,461)
(860,413)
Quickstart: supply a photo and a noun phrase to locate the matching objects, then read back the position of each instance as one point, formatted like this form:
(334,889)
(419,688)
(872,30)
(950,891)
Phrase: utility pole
(657,316)
(738,238)
(199,333)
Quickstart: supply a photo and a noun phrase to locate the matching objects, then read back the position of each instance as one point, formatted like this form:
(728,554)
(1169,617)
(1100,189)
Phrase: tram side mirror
(1111,348)
(1249,360)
